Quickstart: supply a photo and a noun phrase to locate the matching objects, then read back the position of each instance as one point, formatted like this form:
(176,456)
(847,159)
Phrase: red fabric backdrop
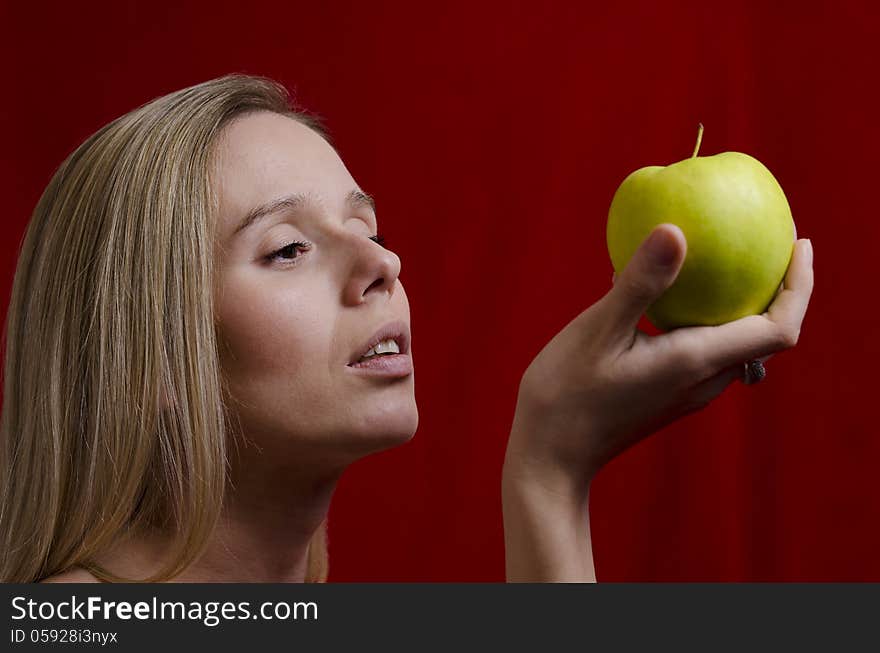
(493,137)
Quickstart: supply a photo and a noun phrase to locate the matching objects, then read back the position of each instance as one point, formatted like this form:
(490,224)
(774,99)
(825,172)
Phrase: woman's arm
(546,533)
(601,385)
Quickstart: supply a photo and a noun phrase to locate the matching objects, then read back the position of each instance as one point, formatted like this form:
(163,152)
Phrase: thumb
(649,273)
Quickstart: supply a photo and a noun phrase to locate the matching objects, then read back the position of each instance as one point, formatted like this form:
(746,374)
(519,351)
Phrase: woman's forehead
(259,143)
(265,155)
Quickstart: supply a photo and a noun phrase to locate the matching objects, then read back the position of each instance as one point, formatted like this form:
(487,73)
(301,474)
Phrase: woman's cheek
(255,322)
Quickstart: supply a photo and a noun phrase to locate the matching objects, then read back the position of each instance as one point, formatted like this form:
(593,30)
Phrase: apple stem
(699,140)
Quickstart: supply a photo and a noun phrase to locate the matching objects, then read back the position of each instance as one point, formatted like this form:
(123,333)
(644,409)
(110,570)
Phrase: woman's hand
(600,385)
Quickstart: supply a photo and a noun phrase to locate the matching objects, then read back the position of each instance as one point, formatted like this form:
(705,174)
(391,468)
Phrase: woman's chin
(386,427)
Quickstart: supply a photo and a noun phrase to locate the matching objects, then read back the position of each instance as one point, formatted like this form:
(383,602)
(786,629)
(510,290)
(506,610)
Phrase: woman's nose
(374,271)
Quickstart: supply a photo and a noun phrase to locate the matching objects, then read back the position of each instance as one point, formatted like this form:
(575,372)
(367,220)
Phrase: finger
(782,285)
(741,368)
(704,392)
(749,375)
(647,275)
(790,307)
(755,336)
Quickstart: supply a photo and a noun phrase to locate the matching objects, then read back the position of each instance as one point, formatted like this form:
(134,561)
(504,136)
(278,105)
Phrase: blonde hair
(115,411)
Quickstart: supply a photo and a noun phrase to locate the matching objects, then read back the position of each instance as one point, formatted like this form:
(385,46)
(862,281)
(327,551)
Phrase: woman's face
(301,293)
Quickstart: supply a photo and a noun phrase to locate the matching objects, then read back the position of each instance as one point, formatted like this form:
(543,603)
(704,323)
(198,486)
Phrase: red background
(493,137)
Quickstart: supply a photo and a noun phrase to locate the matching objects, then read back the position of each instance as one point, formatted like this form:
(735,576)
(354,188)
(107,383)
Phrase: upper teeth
(385,347)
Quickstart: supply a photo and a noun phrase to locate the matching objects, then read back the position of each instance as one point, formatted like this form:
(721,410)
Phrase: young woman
(205,331)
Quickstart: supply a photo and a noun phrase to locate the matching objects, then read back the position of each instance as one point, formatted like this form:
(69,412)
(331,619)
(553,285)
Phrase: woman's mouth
(388,365)
(386,353)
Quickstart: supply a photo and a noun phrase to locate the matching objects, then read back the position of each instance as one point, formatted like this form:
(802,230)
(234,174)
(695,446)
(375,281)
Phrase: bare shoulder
(73,575)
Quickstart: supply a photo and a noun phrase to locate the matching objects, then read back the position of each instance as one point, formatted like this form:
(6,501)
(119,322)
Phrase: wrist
(534,459)
(541,485)
(546,528)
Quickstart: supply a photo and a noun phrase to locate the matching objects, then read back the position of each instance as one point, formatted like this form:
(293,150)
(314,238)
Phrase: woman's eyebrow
(355,199)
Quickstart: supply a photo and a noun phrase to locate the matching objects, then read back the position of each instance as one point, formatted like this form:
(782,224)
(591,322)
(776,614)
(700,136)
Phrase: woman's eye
(288,253)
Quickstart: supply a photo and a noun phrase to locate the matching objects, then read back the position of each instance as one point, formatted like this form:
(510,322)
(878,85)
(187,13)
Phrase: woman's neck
(271,511)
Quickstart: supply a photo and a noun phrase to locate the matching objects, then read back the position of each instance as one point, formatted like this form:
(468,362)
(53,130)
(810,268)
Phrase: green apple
(738,227)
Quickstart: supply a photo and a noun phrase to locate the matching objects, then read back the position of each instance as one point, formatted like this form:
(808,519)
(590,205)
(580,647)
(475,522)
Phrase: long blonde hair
(114,407)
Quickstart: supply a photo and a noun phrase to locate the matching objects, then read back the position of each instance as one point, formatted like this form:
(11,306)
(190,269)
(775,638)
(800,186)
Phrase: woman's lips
(386,365)
(397,330)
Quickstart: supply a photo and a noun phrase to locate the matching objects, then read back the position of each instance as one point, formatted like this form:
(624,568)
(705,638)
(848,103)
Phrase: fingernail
(662,249)
(809,251)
